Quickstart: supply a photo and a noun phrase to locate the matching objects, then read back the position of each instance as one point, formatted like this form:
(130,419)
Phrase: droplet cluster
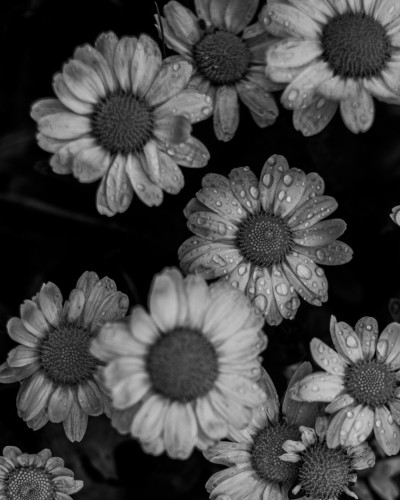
(182,365)
(221,57)
(29,483)
(355,45)
(122,123)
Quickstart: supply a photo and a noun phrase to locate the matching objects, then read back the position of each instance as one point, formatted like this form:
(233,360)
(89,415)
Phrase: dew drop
(303,271)
(282,289)
(260,301)
(219,260)
(267,180)
(351,341)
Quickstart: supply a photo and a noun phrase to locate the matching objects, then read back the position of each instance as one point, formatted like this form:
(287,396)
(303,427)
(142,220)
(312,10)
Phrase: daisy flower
(325,472)
(228,57)
(360,382)
(265,237)
(123,115)
(59,375)
(334,54)
(188,370)
(379,480)
(37,476)
(255,470)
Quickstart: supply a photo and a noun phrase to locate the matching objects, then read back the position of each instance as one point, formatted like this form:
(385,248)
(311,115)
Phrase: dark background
(50,230)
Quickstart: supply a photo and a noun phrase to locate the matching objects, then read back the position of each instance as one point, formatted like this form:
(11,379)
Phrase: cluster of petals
(182,30)
(354,419)
(42,395)
(221,315)
(35,476)
(314,88)
(134,67)
(240,480)
(290,195)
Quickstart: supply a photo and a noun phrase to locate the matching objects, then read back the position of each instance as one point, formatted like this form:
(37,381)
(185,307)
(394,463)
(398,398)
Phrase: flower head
(255,469)
(35,477)
(187,371)
(123,115)
(265,237)
(360,382)
(325,472)
(60,380)
(333,54)
(228,57)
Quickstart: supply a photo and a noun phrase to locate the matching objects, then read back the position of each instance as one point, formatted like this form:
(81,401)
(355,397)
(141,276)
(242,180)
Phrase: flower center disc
(355,45)
(122,123)
(325,472)
(65,356)
(370,383)
(29,483)
(182,365)
(266,450)
(264,239)
(221,57)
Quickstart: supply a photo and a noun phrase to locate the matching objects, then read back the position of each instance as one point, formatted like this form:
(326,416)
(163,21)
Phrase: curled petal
(318,386)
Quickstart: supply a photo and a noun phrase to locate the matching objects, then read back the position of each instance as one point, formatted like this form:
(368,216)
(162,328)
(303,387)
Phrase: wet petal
(106,44)
(289,191)
(180,430)
(356,425)
(172,129)
(272,171)
(388,346)
(191,154)
(334,254)
(292,21)
(62,162)
(310,276)
(189,103)
(83,81)
(46,107)
(64,125)
(293,53)
(338,88)
(122,62)
(146,64)
(260,102)
(320,234)
(259,291)
(315,117)
(222,202)
(238,14)
(312,211)
(33,319)
(145,189)
(318,387)
(386,431)
(90,398)
(358,113)
(327,358)
(119,191)
(346,341)
(171,40)
(60,404)
(367,330)
(114,307)
(226,113)
(244,185)
(211,226)
(285,295)
(91,164)
(339,403)
(171,177)
(183,22)
(50,300)
(94,59)
(18,332)
(76,422)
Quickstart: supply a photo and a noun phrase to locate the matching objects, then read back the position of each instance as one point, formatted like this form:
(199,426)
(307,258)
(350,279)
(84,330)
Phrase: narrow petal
(171,129)
(122,61)
(64,125)
(119,191)
(76,304)
(91,164)
(367,330)
(211,226)
(50,300)
(338,88)
(217,9)
(171,177)
(130,390)
(226,113)
(293,53)
(260,102)
(148,422)
(339,403)
(309,275)
(334,254)
(356,426)
(191,154)
(146,64)
(238,14)
(143,326)
(386,431)
(83,81)
(388,346)
(285,294)
(203,10)
(289,191)
(22,356)
(212,423)
(180,430)
(20,334)
(90,398)
(183,22)
(271,173)
(76,423)
(46,107)
(189,103)
(62,162)
(222,202)
(95,59)
(327,358)
(33,319)
(244,185)
(319,386)
(347,343)
(358,113)
(60,404)
(315,117)
(171,40)
(106,44)
(312,211)
(101,199)
(145,189)
(320,234)
(292,21)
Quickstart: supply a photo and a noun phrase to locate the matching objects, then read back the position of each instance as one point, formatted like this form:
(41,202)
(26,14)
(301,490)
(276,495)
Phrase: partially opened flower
(187,371)
(255,470)
(379,480)
(334,54)
(123,115)
(266,237)
(325,472)
(36,476)
(360,382)
(228,57)
(60,379)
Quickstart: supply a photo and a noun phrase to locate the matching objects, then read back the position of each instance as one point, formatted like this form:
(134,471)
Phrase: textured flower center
(221,57)
(266,450)
(122,123)
(65,356)
(29,483)
(355,45)
(370,383)
(264,239)
(324,472)
(182,365)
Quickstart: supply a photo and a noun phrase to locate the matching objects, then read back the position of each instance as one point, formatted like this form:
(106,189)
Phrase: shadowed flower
(265,237)
(255,470)
(60,380)
(123,116)
(228,57)
(325,472)
(35,477)
(360,383)
(187,371)
(379,480)
(334,54)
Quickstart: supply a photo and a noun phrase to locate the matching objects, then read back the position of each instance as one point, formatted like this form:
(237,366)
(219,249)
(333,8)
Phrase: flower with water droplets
(228,57)
(395,215)
(186,373)
(325,472)
(255,470)
(267,237)
(334,54)
(360,381)
(36,476)
(123,115)
(60,379)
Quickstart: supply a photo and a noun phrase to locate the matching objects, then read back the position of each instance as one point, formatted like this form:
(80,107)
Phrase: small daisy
(379,480)
(395,215)
(187,371)
(59,375)
(228,57)
(123,115)
(255,470)
(360,383)
(265,237)
(35,477)
(325,472)
(334,53)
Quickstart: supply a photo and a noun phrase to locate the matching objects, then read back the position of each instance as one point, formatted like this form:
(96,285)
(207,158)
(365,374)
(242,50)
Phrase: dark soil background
(50,230)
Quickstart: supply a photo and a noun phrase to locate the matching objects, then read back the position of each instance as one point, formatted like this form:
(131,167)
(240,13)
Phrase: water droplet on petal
(303,271)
